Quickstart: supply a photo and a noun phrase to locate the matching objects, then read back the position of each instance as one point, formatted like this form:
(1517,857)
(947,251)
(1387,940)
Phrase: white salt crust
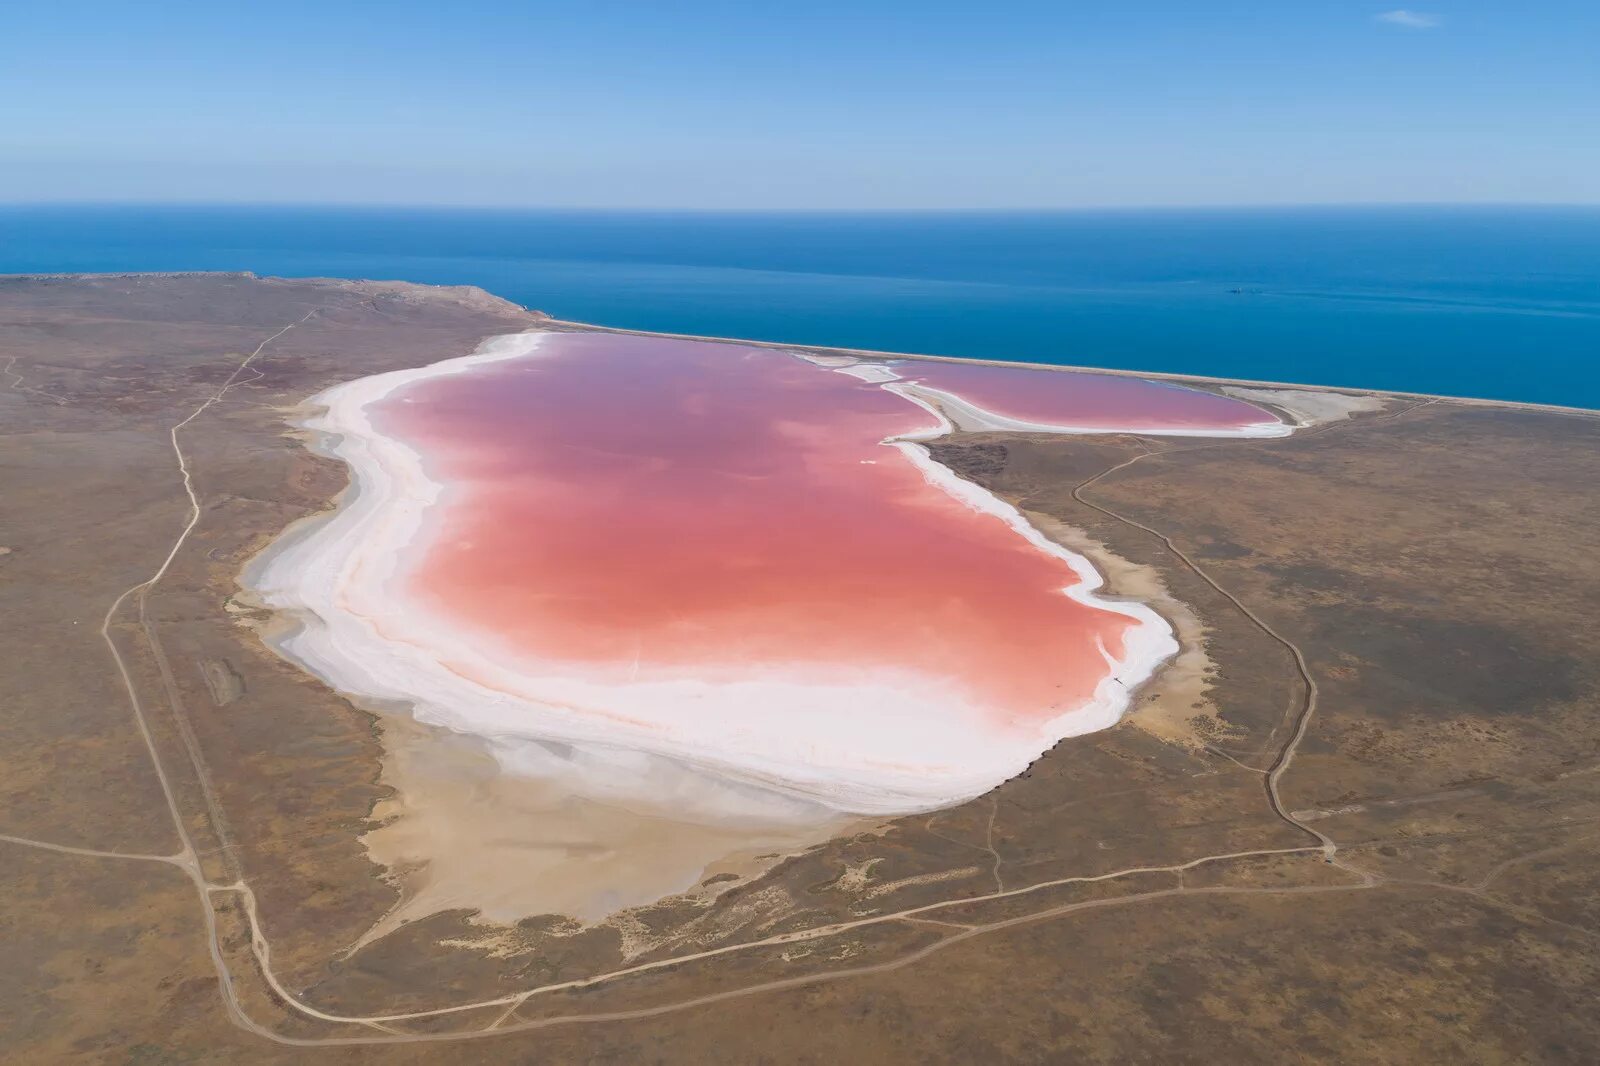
(778,744)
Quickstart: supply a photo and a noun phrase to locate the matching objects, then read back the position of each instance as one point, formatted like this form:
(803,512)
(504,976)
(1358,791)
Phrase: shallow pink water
(1093,401)
(649,509)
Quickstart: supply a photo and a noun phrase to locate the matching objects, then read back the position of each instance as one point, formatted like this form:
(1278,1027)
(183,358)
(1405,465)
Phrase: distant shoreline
(552,321)
(1162,375)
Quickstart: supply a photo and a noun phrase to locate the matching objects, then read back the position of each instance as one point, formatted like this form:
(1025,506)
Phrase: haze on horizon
(710,104)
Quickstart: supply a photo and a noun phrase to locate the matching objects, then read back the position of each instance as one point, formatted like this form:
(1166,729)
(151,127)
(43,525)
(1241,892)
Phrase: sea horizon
(1428,298)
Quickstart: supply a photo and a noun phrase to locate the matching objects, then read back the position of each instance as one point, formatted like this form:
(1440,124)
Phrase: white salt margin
(970,417)
(1309,406)
(957,412)
(1146,644)
(771,748)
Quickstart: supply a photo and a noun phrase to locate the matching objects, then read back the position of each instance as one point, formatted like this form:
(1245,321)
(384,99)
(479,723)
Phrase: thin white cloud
(1411,20)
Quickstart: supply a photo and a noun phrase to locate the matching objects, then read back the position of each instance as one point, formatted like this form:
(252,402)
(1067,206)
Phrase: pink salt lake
(650,509)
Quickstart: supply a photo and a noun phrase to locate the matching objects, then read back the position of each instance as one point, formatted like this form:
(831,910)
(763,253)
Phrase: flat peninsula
(1354,818)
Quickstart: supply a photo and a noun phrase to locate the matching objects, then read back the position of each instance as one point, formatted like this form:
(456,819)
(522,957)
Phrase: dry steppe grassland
(1360,824)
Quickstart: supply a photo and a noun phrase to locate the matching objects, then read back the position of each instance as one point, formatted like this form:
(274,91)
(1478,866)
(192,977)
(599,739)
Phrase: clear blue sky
(687,103)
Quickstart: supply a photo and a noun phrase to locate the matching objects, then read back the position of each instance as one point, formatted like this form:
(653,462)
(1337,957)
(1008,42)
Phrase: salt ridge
(875,741)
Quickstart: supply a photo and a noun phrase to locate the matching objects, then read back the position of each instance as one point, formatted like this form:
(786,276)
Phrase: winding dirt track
(188,859)
(1308,701)
(15,383)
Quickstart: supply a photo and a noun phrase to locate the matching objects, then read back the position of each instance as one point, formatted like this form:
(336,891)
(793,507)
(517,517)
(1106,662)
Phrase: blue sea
(1491,302)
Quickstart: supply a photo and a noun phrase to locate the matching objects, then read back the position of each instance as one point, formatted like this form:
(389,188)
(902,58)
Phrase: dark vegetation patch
(1313,577)
(1221,548)
(975,462)
(1448,664)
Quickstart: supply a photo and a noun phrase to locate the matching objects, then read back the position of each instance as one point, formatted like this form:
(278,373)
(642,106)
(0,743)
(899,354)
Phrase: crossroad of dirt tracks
(188,857)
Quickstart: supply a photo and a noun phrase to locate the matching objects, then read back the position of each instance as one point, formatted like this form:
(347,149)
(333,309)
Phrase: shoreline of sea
(1153,375)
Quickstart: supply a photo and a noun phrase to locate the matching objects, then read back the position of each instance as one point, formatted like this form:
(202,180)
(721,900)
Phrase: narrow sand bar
(717,581)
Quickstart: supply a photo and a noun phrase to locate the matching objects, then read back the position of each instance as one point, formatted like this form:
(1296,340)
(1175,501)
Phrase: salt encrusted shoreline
(956,412)
(339,580)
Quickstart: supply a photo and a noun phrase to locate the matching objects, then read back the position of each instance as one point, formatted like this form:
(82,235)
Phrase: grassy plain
(1138,895)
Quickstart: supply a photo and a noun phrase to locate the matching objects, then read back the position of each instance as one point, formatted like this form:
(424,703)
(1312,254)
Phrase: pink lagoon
(725,573)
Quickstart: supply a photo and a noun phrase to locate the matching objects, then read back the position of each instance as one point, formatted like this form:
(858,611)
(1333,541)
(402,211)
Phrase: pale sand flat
(461,833)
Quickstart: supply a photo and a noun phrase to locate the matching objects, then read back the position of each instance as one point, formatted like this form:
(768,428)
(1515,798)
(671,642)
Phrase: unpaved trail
(93,853)
(187,858)
(1309,693)
(16,385)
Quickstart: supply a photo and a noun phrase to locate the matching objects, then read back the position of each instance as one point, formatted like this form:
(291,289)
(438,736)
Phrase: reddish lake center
(639,509)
